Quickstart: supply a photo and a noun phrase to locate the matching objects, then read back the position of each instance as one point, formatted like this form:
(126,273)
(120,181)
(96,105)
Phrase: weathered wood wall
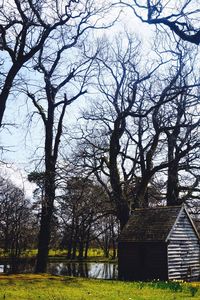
(183,251)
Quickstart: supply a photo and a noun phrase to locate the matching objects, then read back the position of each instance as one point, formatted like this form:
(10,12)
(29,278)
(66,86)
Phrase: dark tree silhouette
(25,27)
(181,17)
(127,136)
(64,71)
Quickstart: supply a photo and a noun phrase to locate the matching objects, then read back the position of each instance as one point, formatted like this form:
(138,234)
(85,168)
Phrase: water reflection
(14,267)
(89,270)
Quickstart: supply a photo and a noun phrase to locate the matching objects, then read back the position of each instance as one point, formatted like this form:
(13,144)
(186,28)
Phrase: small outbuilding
(159,243)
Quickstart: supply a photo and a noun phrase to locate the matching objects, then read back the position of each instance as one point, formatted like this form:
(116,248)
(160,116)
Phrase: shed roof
(150,224)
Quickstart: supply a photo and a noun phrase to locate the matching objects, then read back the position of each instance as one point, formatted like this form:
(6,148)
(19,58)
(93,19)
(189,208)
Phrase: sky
(21,142)
(19,177)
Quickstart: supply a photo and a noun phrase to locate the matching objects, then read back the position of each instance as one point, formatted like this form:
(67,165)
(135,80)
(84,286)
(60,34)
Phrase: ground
(46,287)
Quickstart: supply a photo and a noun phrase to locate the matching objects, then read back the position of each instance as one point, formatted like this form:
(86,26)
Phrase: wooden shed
(159,243)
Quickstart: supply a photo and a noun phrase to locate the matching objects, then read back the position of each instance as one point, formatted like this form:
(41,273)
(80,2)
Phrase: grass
(44,287)
(94,254)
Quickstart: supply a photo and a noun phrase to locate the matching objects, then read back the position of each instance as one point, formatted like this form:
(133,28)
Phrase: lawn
(45,287)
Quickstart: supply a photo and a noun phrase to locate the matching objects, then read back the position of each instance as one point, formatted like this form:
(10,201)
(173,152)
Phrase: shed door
(153,261)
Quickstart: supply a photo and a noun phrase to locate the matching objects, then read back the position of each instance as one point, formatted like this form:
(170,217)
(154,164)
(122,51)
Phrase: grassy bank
(44,287)
(94,255)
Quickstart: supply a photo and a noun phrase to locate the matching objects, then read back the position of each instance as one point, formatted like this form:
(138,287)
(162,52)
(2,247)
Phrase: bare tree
(181,126)
(127,146)
(18,229)
(63,72)
(119,83)
(181,17)
(170,119)
(28,26)
(24,29)
(81,206)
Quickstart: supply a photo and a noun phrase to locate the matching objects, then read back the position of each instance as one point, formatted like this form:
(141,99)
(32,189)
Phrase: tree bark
(45,224)
(172,181)
(121,203)
(7,87)
(172,186)
(141,194)
(49,189)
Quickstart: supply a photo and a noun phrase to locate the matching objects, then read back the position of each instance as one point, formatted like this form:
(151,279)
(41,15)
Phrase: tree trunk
(45,224)
(141,195)
(70,242)
(7,87)
(172,186)
(87,243)
(49,186)
(172,181)
(74,249)
(69,249)
(48,203)
(81,248)
(43,243)
(123,213)
(106,247)
(113,239)
(121,204)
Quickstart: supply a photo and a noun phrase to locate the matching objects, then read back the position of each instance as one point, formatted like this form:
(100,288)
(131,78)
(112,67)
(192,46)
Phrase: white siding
(183,251)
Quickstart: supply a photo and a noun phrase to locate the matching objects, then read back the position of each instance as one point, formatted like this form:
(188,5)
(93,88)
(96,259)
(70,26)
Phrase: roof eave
(169,234)
(190,219)
(193,225)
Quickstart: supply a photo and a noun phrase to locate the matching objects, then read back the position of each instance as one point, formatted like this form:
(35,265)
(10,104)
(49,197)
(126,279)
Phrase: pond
(90,269)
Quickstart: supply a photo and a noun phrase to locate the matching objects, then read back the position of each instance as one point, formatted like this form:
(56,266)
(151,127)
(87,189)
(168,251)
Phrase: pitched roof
(150,224)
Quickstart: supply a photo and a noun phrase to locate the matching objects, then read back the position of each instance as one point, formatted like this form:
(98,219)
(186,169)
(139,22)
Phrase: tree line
(78,221)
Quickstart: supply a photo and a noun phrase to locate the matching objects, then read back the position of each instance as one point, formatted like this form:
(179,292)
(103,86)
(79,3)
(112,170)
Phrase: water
(88,270)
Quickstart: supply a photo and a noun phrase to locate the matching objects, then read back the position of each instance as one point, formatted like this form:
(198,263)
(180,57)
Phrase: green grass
(44,287)
(92,252)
